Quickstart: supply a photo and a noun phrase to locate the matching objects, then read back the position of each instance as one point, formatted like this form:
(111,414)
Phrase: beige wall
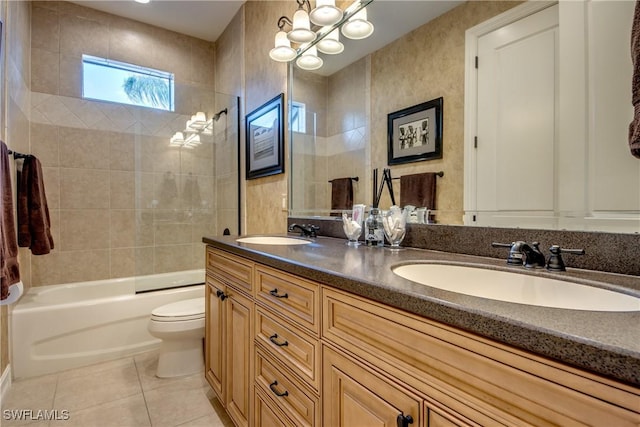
(264,79)
(426,64)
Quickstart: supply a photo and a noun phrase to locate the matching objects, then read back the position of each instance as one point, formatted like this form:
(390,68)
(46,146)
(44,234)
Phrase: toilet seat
(190,309)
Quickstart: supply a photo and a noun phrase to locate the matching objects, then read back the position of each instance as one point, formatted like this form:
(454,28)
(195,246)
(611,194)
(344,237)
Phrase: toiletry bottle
(374,231)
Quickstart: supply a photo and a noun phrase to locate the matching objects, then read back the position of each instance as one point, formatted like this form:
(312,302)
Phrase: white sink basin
(272,240)
(519,288)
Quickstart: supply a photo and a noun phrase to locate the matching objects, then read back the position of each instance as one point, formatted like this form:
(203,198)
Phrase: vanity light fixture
(142,1)
(327,19)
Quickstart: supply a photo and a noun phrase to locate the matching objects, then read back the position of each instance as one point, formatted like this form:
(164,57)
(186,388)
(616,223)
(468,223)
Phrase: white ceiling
(204,19)
(207,19)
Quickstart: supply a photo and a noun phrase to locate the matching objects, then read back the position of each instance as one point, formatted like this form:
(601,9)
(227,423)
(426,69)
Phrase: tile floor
(120,393)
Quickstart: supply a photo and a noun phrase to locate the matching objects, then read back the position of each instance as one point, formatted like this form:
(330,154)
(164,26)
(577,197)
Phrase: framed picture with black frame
(265,139)
(415,133)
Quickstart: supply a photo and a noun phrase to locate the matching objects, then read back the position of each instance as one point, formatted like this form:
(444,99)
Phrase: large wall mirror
(339,119)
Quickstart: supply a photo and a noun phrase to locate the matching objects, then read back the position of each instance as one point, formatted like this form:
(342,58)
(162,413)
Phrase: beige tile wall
(337,109)
(117,192)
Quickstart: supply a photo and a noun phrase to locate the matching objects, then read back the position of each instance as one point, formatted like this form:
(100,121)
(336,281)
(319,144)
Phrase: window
(107,80)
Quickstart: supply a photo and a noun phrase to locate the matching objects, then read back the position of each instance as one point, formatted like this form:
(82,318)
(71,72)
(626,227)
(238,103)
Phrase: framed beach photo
(415,133)
(265,139)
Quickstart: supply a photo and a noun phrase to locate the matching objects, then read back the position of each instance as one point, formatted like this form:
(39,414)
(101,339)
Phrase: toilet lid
(188,309)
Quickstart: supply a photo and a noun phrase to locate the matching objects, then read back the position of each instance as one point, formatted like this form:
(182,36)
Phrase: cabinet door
(238,340)
(214,335)
(354,396)
(266,414)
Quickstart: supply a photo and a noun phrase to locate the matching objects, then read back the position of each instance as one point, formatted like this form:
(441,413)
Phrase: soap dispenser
(374,232)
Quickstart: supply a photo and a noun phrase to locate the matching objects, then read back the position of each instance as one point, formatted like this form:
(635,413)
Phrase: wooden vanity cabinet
(229,333)
(463,379)
(286,351)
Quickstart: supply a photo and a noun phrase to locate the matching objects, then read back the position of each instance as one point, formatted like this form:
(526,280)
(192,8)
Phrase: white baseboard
(5,382)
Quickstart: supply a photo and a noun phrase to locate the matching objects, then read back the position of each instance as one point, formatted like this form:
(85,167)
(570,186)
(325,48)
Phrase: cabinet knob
(404,420)
(221,295)
(273,385)
(274,292)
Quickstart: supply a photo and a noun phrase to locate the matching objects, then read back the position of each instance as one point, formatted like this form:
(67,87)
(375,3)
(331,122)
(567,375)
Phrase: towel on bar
(9,268)
(418,190)
(634,127)
(341,194)
(34,225)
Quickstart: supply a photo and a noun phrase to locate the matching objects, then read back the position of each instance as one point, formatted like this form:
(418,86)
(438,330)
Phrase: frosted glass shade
(325,13)
(357,27)
(301,31)
(309,60)
(330,44)
(282,52)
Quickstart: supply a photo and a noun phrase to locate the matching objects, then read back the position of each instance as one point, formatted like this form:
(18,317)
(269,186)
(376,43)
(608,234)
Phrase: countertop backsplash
(609,252)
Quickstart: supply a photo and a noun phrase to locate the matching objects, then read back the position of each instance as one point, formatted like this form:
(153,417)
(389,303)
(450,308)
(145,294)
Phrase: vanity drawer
(233,270)
(289,394)
(296,299)
(289,345)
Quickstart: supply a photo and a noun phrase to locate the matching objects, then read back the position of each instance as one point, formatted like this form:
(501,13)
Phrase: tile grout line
(144,395)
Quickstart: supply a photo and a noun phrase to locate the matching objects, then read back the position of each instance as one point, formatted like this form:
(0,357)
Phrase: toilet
(180,326)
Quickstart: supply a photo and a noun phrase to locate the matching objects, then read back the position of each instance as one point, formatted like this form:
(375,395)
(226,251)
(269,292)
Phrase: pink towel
(34,225)
(634,127)
(9,268)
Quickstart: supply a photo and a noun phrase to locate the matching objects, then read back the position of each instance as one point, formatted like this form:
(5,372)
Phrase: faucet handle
(556,263)
(515,251)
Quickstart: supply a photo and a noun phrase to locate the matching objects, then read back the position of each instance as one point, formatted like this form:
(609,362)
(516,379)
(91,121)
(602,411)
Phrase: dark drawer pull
(221,295)
(273,339)
(273,385)
(274,292)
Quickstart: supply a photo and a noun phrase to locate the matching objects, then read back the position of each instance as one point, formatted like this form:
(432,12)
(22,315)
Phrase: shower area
(127,199)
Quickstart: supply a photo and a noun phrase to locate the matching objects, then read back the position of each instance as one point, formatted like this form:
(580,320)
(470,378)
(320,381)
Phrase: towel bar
(353,178)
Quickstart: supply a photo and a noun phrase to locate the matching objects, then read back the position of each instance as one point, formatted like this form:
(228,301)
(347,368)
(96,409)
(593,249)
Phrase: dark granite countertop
(605,343)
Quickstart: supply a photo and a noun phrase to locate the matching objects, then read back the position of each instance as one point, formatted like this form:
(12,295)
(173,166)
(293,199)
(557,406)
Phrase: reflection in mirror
(339,120)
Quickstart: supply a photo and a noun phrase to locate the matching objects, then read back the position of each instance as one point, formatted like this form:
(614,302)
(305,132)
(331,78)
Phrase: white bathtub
(60,327)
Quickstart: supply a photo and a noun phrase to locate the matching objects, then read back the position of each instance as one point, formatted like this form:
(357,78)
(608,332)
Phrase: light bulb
(330,44)
(282,52)
(309,60)
(357,27)
(325,13)
(301,31)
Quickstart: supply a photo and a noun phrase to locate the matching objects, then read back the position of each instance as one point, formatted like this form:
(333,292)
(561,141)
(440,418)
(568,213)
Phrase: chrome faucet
(307,230)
